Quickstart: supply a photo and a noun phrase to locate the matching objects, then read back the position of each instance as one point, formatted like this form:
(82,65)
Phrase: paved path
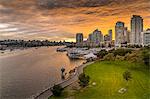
(47,92)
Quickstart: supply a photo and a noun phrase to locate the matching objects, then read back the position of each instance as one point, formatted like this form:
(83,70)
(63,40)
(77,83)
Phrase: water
(24,73)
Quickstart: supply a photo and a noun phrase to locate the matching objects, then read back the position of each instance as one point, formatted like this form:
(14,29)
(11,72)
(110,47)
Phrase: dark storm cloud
(80,3)
(50,4)
(60,19)
(6,10)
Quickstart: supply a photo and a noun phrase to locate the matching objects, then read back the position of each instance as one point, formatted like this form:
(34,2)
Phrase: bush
(109,57)
(121,52)
(121,58)
(84,80)
(111,51)
(146,56)
(57,90)
(127,75)
(102,53)
(135,56)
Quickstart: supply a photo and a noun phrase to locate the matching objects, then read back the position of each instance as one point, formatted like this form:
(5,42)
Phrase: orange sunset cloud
(61,20)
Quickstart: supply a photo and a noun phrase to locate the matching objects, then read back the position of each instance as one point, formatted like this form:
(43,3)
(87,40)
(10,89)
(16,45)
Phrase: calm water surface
(24,73)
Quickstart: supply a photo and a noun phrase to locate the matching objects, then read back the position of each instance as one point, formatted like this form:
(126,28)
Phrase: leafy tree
(121,52)
(57,90)
(111,51)
(146,56)
(62,70)
(102,53)
(127,76)
(121,58)
(109,45)
(109,57)
(62,73)
(134,57)
(83,80)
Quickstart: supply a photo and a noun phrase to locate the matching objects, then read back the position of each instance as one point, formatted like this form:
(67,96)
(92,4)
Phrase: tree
(57,90)
(127,76)
(134,57)
(121,52)
(83,80)
(102,53)
(109,57)
(146,56)
(62,70)
(120,58)
(62,73)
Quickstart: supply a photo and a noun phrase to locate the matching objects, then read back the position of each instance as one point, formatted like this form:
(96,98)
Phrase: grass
(109,79)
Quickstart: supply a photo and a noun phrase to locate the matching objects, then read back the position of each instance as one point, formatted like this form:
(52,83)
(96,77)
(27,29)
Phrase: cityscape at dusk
(61,20)
(74,49)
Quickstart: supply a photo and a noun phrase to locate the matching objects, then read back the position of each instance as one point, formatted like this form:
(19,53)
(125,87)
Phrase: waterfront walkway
(47,92)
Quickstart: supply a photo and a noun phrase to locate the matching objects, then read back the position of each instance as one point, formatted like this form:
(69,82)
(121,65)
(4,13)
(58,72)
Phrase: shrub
(102,53)
(127,75)
(146,56)
(135,56)
(83,80)
(57,90)
(109,57)
(121,52)
(111,51)
(121,58)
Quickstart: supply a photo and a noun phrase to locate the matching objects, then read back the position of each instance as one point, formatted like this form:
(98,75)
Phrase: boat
(74,55)
(61,49)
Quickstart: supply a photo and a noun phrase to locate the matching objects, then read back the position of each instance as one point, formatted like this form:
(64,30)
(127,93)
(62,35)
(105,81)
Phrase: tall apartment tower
(119,33)
(136,29)
(126,35)
(110,34)
(97,36)
(79,39)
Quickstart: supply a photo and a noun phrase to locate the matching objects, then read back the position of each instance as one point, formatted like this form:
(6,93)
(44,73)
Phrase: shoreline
(25,63)
(8,53)
(47,92)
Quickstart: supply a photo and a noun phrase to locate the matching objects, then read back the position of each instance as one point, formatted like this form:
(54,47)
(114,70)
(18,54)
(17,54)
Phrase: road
(46,93)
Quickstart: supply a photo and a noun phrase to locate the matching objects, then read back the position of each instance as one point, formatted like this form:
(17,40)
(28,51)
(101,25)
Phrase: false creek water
(24,73)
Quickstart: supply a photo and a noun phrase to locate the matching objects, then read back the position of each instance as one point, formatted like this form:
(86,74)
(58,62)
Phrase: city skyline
(61,21)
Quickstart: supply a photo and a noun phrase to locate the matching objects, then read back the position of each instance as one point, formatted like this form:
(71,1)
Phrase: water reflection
(27,72)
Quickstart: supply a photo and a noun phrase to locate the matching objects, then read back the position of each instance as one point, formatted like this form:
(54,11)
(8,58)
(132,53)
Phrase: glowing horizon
(61,20)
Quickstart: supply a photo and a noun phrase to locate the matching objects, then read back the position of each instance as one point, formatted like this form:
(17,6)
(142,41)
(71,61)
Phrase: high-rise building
(119,33)
(97,37)
(90,38)
(136,29)
(146,38)
(110,34)
(79,39)
(126,35)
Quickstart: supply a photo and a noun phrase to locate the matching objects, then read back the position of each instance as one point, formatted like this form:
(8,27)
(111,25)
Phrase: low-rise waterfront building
(106,37)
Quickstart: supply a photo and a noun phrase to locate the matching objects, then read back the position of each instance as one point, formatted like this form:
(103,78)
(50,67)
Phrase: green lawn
(108,78)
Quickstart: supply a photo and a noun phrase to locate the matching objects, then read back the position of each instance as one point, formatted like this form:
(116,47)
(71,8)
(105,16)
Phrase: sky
(62,19)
